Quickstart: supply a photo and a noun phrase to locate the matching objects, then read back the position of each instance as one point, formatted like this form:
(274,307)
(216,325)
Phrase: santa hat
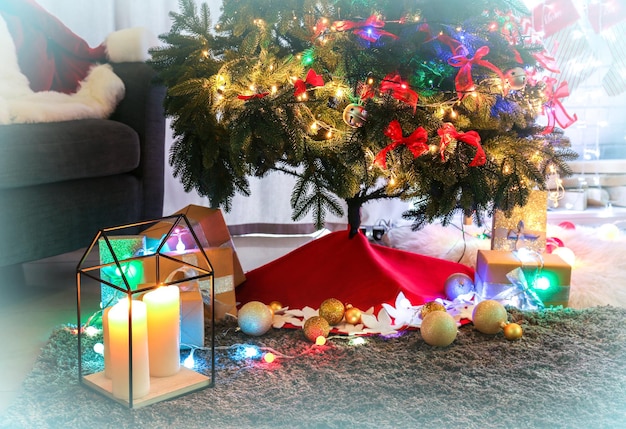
(43,60)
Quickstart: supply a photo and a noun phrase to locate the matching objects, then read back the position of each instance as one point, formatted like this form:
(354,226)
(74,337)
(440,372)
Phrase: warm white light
(91,331)
(98,348)
(566,254)
(189,362)
(608,231)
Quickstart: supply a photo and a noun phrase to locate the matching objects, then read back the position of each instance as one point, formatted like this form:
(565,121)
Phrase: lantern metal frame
(161,388)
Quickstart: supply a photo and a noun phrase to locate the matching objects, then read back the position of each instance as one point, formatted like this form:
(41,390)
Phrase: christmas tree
(433,102)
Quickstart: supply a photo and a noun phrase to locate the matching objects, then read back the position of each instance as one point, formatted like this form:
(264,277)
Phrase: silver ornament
(458,284)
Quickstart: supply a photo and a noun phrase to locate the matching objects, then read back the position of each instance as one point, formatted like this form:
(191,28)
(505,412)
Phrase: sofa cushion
(32,154)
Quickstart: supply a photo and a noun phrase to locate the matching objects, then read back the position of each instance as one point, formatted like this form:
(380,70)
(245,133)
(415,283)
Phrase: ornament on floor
(489,316)
(255,318)
(315,327)
(352,315)
(431,306)
(354,115)
(458,284)
(515,78)
(567,225)
(332,310)
(275,306)
(438,329)
(513,331)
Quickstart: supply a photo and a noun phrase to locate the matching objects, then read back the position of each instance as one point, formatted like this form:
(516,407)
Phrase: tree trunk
(354,215)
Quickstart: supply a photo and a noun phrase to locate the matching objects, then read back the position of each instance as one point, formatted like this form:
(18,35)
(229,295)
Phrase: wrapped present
(212,232)
(124,247)
(524,227)
(221,259)
(191,308)
(547,276)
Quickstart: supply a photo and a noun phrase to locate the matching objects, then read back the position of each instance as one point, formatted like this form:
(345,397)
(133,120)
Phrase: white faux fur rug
(598,275)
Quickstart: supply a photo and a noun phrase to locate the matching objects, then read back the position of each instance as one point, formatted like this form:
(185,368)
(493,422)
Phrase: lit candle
(119,351)
(163,306)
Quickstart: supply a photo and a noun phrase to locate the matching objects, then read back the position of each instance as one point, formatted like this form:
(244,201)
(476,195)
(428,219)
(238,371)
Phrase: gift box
(212,232)
(523,227)
(221,259)
(548,276)
(191,318)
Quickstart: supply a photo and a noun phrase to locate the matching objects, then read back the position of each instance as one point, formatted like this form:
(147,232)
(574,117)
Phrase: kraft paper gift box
(221,259)
(548,275)
(212,232)
(523,227)
(195,295)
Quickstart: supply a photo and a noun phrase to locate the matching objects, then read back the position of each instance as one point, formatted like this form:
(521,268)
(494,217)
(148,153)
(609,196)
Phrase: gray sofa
(61,182)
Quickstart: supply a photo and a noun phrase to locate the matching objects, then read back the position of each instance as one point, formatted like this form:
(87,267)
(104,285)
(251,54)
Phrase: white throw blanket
(97,96)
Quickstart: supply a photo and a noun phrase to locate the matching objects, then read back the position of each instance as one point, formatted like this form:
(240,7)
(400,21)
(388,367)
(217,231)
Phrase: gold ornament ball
(431,306)
(513,331)
(489,316)
(255,318)
(314,327)
(275,306)
(353,315)
(438,329)
(332,310)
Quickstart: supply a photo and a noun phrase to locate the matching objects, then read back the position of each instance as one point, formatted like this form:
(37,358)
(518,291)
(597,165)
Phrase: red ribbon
(399,89)
(463,80)
(554,109)
(450,42)
(370,29)
(312,79)
(416,142)
(447,132)
(250,97)
(547,61)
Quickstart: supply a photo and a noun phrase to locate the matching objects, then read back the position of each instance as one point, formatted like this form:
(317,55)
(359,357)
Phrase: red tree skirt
(353,271)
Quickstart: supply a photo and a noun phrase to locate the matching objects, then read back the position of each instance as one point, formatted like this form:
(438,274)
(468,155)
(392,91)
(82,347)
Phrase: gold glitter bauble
(489,316)
(438,329)
(332,310)
(314,327)
(353,315)
(275,306)
(513,331)
(430,307)
(255,318)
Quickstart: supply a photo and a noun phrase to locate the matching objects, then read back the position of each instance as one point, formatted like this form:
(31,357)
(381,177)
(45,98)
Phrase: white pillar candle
(163,306)
(119,350)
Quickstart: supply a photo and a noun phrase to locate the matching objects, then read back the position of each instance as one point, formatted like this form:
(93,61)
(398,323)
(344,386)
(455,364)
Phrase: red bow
(250,97)
(547,61)
(400,90)
(447,132)
(463,80)
(370,29)
(450,42)
(312,79)
(553,109)
(416,142)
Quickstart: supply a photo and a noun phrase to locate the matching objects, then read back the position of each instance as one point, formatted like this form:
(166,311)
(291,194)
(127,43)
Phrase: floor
(42,296)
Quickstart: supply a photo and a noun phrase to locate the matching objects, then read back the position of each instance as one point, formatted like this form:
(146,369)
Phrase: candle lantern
(129,312)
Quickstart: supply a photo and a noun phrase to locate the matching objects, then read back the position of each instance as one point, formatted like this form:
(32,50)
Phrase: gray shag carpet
(568,371)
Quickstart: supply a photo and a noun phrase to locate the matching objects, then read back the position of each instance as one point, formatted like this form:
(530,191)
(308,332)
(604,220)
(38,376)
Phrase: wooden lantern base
(161,388)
